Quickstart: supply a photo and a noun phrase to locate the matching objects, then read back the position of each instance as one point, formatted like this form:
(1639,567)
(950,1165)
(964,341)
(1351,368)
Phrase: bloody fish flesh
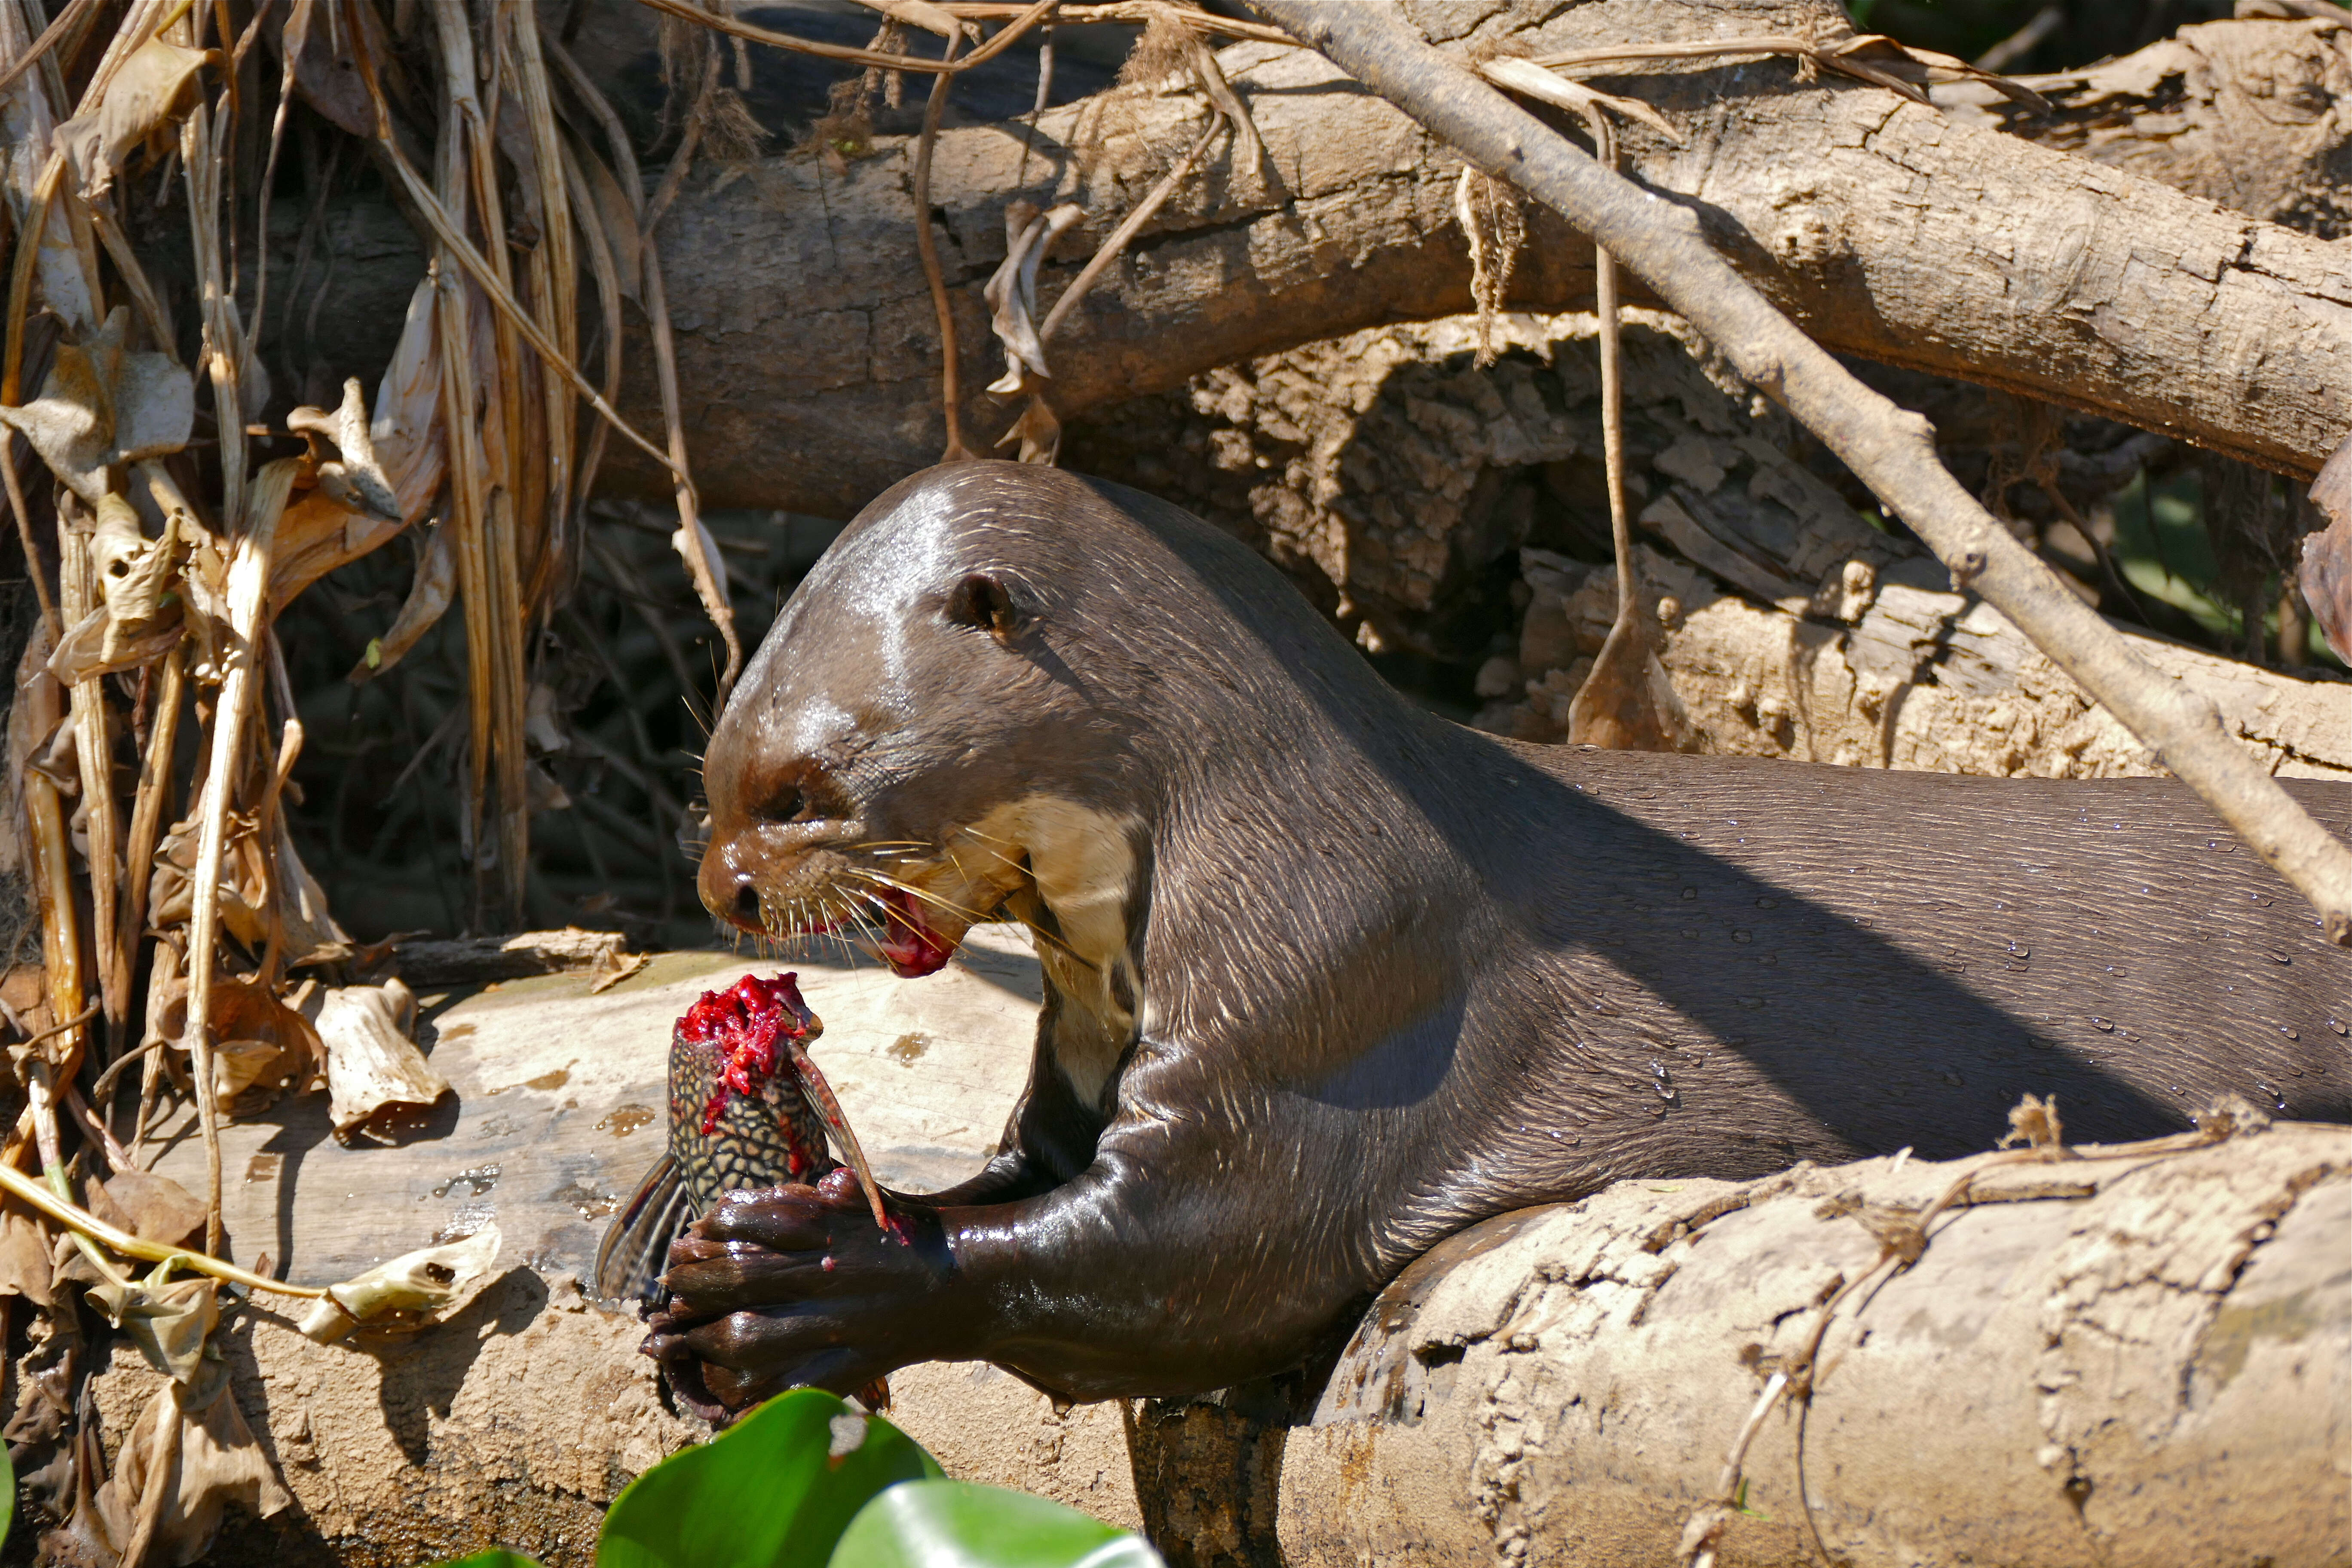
(747,1109)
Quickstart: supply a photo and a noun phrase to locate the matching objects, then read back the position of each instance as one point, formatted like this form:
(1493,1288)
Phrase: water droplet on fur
(1768,903)
(2290,1034)
(1664,1083)
(2105,1025)
(2339,1027)
(2278,1101)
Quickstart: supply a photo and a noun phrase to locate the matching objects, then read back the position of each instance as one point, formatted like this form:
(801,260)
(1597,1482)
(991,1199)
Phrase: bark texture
(2105,1362)
(809,354)
(1453,514)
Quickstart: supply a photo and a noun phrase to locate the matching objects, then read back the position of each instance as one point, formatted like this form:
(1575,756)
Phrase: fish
(747,1109)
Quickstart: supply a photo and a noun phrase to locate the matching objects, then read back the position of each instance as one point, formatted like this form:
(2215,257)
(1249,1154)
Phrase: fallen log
(808,354)
(2141,1359)
(1443,510)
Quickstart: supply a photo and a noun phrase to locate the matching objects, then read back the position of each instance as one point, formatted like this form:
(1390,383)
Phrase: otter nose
(727,890)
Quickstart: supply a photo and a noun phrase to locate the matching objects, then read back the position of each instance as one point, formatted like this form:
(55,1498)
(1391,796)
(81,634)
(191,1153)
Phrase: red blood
(747,1021)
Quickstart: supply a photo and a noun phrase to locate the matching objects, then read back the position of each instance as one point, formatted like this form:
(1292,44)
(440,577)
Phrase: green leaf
(7,1492)
(496,1557)
(961,1524)
(775,1490)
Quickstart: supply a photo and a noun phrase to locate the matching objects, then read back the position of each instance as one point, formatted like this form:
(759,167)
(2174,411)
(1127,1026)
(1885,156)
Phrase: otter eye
(791,803)
(983,603)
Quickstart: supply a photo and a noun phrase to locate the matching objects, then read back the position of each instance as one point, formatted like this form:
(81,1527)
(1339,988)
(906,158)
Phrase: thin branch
(1124,235)
(928,248)
(1890,449)
(878,59)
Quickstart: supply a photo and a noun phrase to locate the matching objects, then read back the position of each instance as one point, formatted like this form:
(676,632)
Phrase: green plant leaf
(7,1493)
(961,1524)
(775,1490)
(496,1557)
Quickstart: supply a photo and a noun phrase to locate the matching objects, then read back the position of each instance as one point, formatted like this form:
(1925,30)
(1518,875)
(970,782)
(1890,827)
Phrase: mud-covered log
(2134,1360)
(808,354)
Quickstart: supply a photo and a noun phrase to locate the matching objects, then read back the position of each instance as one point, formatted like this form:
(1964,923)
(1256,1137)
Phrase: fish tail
(635,1249)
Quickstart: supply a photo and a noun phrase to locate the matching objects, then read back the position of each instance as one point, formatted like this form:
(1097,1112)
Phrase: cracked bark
(2098,1361)
(1887,230)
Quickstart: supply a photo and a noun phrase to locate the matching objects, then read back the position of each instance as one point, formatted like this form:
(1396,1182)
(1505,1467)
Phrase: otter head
(910,750)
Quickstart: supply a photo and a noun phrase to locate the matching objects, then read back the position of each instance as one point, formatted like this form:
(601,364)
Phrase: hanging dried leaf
(403,451)
(422,1281)
(306,927)
(97,647)
(103,405)
(375,1072)
(154,90)
(428,599)
(188,1457)
(1011,291)
(135,625)
(617,218)
(1627,703)
(1038,431)
(134,573)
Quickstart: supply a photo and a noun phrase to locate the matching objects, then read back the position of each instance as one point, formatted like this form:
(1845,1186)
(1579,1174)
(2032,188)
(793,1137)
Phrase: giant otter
(1329,977)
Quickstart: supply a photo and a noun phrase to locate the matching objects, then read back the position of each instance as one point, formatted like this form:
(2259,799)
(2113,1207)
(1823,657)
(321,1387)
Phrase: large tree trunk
(810,357)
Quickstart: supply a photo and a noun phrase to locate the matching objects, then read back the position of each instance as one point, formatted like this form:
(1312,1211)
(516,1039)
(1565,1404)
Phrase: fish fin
(635,1249)
(829,1109)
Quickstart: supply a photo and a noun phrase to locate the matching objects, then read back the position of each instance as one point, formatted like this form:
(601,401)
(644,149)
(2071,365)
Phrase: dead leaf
(354,480)
(326,78)
(1011,291)
(617,218)
(167,1320)
(310,933)
(189,1456)
(422,1281)
(1038,430)
(98,646)
(429,597)
(154,1207)
(262,1046)
(103,405)
(374,1071)
(616,968)
(318,532)
(24,1257)
(1627,703)
(153,91)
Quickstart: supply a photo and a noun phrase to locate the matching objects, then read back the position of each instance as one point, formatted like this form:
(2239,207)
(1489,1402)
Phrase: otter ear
(983,603)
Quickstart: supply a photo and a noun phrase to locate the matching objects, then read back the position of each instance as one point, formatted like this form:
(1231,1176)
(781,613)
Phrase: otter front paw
(780,1288)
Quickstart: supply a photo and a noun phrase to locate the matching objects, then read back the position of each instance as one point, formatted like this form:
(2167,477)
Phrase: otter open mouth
(908,944)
